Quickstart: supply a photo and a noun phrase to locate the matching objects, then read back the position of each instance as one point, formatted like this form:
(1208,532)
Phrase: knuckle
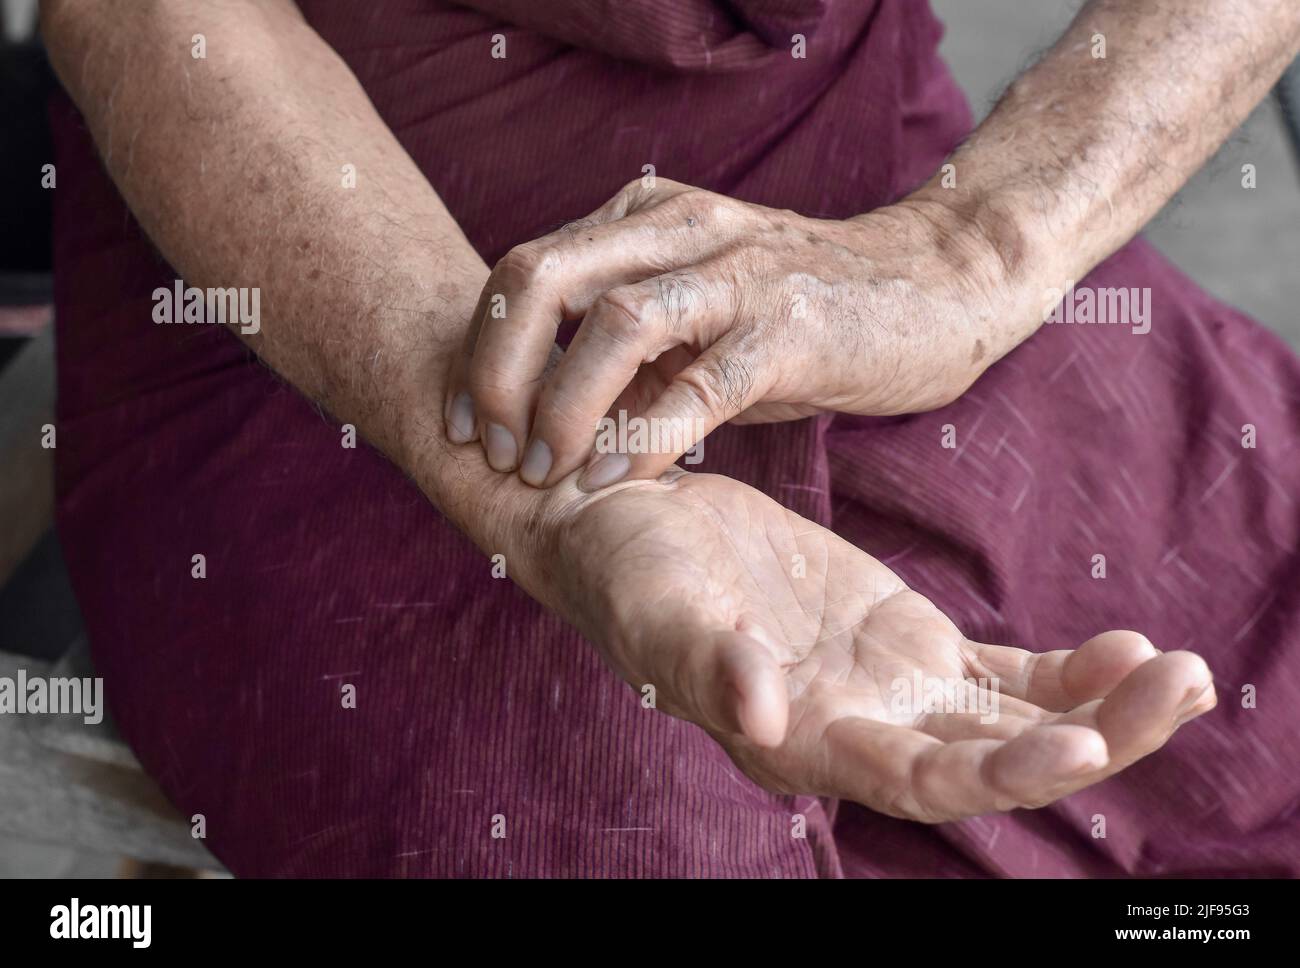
(723,385)
(700,390)
(696,206)
(639,190)
(676,295)
(781,217)
(574,228)
(619,314)
(524,265)
(632,192)
(720,207)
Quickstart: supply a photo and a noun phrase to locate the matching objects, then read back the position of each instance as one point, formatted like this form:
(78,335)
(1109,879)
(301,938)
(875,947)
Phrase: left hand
(817,669)
(700,309)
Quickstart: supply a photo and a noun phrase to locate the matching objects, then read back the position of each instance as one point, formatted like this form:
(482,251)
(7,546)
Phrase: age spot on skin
(979,351)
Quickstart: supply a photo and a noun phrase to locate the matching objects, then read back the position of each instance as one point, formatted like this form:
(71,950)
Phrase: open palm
(802,655)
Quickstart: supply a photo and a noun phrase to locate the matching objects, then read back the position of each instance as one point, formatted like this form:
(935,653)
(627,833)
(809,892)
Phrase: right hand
(697,309)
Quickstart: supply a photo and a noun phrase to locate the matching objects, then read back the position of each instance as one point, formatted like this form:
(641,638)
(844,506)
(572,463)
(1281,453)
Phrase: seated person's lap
(349,689)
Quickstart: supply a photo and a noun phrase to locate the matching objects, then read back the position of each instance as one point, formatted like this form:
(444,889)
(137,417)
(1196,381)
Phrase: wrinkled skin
(702,308)
(688,584)
(691,582)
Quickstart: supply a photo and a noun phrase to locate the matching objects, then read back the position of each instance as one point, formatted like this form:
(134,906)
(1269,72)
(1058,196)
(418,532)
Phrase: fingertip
(653,468)
(1192,665)
(1197,704)
(1125,645)
(500,447)
(1045,756)
(536,464)
(605,470)
(459,418)
(1103,662)
(1200,696)
(1088,751)
(1140,714)
(1191,674)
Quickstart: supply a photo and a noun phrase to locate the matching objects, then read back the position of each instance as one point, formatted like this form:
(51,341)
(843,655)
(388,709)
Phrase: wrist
(499,513)
(406,355)
(999,268)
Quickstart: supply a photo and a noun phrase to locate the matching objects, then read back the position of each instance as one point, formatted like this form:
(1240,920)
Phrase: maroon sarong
(474,706)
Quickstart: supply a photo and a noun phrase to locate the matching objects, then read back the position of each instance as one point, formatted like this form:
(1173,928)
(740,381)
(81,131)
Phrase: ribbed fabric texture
(474,706)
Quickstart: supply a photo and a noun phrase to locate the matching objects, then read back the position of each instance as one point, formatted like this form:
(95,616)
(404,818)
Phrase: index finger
(539,285)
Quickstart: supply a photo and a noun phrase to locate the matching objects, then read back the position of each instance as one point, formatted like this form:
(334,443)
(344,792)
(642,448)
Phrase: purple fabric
(325,566)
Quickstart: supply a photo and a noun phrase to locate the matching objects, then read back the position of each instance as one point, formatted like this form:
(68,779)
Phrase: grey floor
(1242,246)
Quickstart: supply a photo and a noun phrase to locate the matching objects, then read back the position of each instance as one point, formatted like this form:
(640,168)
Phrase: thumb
(732,683)
(720,383)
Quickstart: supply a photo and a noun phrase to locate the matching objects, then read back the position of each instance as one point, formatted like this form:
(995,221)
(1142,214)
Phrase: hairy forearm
(234,165)
(1082,150)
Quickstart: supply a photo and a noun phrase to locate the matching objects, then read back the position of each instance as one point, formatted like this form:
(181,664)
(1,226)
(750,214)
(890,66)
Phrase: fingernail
(460,419)
(500,446)
(537,463)
(607,469)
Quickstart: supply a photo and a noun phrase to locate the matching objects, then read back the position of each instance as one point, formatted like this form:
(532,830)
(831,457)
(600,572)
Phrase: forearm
(1082,151)
(234,166)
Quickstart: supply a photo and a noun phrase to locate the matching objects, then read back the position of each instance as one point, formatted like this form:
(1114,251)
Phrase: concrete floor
(1242,246)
